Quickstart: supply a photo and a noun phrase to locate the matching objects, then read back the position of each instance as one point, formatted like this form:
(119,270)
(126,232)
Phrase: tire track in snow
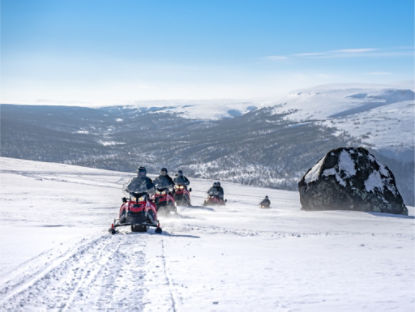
(159,290)
(29,275)
(123,280)
(58,283)
(169,283)
(105,273)
(89,276)
(114,281)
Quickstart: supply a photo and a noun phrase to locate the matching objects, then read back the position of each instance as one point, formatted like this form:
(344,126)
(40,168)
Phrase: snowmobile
(139,212)
(182,195)
(164,201)
(214,199)
(265,205)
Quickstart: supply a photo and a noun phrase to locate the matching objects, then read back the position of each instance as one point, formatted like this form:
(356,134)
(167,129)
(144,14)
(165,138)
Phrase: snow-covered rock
(350,179)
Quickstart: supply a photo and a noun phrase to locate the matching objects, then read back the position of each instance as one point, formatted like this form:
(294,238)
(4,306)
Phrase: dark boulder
(350,179)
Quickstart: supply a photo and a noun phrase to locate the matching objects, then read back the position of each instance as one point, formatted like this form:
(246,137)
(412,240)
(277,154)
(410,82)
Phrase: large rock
(350,179)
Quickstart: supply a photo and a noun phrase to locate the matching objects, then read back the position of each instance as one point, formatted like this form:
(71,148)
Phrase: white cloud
(379,73)
(347,53)
(342,53)
(353,51)
(277,57)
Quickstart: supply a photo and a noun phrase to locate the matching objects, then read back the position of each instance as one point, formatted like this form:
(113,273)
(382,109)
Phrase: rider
(265,202)
(164,179)
(180,179)
(141,182)
(216,190)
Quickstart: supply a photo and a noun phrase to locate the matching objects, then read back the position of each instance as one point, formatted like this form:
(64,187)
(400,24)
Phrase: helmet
(180,172)
(218,183)
(141,171)
(163,171)
(266,196)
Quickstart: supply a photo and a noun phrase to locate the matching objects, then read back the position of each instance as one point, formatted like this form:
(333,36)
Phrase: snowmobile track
(97,272)
(168,280)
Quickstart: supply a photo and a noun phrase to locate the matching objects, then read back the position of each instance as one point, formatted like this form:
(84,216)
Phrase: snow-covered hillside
(198,109)
(383,118)
(56,253)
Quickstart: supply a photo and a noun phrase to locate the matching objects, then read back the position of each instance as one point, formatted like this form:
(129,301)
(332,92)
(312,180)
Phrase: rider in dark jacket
(216,190)
(164,180)
(180,179)
(265,202)
(141,183)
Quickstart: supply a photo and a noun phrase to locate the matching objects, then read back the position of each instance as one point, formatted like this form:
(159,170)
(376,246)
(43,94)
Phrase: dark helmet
(218,183)
(180,172)
(266,196)
(163,171)
(141,171)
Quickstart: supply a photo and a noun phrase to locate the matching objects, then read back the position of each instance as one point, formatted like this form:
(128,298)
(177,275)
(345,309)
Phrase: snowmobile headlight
(141,199)
(164,193)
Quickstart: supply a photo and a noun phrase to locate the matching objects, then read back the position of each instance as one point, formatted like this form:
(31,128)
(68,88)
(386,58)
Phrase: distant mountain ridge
(382,118)
(266,146)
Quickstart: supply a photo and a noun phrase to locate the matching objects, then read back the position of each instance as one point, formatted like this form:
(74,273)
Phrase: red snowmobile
(164,201)
(215,195)
(139,212)
(214,200)
(182,195)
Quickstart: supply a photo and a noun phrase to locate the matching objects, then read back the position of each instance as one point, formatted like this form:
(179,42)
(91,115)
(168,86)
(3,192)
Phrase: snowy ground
(57,254)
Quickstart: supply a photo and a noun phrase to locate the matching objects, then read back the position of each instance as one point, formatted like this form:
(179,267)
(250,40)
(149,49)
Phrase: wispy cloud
(379,73)
(346,53)
(336,53)
(277,57)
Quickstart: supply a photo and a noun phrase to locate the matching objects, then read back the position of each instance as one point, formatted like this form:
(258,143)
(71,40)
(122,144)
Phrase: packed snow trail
(58,255)
(102,273)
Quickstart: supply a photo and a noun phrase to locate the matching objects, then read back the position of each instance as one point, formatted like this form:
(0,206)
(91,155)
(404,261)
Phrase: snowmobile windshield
(213,193)
(137,185)
(162,182)
(180,180)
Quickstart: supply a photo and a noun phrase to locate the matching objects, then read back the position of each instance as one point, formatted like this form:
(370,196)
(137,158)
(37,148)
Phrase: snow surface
(58,255)
(314,172)
(374,181)
(346,164)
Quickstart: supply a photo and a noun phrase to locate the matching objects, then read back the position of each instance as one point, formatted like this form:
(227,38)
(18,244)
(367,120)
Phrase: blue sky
(100,52)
